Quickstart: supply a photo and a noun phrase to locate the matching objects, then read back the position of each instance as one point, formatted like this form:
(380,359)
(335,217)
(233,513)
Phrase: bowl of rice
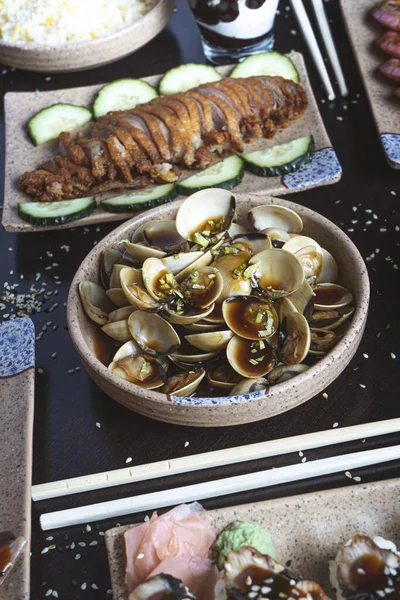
(72,35)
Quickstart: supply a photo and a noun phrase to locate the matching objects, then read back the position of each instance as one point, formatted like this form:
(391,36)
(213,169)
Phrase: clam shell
(278,237)
(250,317)
(187,318)
(141,370)
(248,386)
(277,217)
(158,279)
(295,339)
(331,319)
(283,373)
(223,376)
(331,295)
(329,271)
(118,331)
(278,272)
(198,210)
(303,299)
(108,258)
(164,236)
(251,242)
(309,253)
(233,285)
(140,251)
(152,333)
(133,288)
(118,297)
(203,260)
(178,262)
(183,384)
(121,314)
(95,302)
(202,287)
(211,341)
(250,358)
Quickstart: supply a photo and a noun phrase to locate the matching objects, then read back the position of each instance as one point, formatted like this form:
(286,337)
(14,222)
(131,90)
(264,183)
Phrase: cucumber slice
(266,63)
(281,159)
(122,94)
(50,122)
(226,174)
(186,77)
(141,200)
(56,213)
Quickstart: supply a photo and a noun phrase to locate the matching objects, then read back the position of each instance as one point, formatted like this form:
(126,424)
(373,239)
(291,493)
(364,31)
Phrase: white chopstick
(325,30)
(210,460)
(312,44)
(214,489)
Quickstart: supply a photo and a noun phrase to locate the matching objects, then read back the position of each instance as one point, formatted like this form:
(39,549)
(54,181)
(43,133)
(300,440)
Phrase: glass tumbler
(233,29)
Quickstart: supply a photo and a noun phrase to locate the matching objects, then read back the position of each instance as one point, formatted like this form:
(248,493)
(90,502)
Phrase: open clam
(205,214)
(152,333)
(283,373)
(331,318)
(158,280)
(140,251)
(202,259)
(248,386)
(277,217)
(250,358)
(232,268)
(117,297)
(210,341)
(121,314)
(202,287)
(114,281)
(277,236)
(180,261)
(331,296)
(108,258)
(309,253)
(118,331)
(322,340)
(250,317)
(190,356)
(140,369)
(223,376)
(277,272)
(329,271)
(95,302)
(303,299)
(164,236)
(183,384)
(294,339)
(135,293)
(248,242)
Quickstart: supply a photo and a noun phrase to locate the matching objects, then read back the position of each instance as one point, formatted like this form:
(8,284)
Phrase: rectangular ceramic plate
(306,529)
(22,155)
(17,360)
(363,32)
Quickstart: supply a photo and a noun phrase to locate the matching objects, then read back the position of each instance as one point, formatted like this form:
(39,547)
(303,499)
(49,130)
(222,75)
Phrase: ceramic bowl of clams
(219,310)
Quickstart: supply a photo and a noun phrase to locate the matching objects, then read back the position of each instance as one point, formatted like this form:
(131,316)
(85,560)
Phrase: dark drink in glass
(233,29)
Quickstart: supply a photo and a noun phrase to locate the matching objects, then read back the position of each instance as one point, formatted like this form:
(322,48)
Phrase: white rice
(54,22)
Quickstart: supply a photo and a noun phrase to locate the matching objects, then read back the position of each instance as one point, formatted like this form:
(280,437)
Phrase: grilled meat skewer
(133,148)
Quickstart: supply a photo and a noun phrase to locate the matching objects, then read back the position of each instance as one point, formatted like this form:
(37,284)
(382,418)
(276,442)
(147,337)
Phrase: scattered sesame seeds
(128,460)
(94,543)
(301,453)
(94,586)
(186,444)
(140,556)
(50,538)
(335,425)
(304,459)
(392,355)
(365,355)
(357,479)
(77,556)
(49,592)
(82,544)
(348,474)
(98,424)
(325,396)
(363,386)
(45,550)
(84,586)
(88,528)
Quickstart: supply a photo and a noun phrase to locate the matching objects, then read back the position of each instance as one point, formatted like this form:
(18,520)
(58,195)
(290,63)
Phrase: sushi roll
(366,569)
(250,575)
(161,587)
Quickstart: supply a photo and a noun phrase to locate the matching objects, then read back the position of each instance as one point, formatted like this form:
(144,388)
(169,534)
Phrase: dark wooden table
(78,430)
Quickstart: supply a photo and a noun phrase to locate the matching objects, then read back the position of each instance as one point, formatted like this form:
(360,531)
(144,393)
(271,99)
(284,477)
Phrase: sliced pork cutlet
(250,125)
(177,138)
(159,133)
(189,128)
(70,149)
(391,69)
(138,130)
(118,154)
(389,43)
(138,157)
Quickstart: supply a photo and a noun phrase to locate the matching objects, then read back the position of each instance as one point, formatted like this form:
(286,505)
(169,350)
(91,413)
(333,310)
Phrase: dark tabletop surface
(79,430)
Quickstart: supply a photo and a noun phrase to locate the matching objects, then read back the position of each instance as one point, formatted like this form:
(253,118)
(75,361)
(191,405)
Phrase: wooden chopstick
(210,460)
(311,41)
(326,34)
(214,489)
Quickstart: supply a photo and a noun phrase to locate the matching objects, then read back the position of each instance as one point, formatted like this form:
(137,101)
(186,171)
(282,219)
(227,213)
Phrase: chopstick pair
(219,487)
(305,25)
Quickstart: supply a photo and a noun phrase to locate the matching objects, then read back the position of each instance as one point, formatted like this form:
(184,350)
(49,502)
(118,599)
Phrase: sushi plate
(385,106)
(22,155)
(17,378)
(307,529)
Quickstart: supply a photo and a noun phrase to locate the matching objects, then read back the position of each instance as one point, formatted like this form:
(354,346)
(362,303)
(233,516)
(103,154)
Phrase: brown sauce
(367,573)
(254,358)
(278,583)
(225,374)
(163,239)
(327,295)
(250,318)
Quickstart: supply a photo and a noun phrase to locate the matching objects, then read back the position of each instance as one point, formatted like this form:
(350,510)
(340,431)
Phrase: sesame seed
(49,593)
(77,556)
(45,550)
(325,395)
(82,544)
(50,538)
(335,425)
(128,460)
(84,586)
(392,355)
(94,586)
(357,478)
(365,356)
(348,474)
(98,424)
(88,528)
(186,444)
(301,453)
(140,556)
(72,545)
(362,386)
(303,460)
(55,594)
(94,543)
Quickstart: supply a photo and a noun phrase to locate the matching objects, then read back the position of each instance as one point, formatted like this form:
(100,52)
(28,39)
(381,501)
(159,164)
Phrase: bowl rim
(357,323)
(80,44)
